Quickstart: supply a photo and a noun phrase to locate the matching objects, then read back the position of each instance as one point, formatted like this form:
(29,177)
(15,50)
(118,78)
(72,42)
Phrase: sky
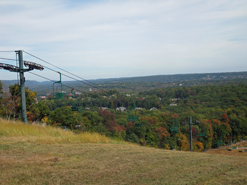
(125,38)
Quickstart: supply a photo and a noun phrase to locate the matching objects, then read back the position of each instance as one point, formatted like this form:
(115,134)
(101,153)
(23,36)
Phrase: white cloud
(104,39)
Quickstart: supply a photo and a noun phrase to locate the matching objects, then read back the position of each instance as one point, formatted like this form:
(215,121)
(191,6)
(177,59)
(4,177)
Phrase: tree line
(221,113)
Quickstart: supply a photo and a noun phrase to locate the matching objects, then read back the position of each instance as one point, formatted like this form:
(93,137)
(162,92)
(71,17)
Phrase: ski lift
(58,95)
(134,118)
(202,134)
(220,141)
(76,107)
(174,128)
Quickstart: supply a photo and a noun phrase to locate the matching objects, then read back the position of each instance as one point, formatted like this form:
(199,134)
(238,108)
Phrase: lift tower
(21,70)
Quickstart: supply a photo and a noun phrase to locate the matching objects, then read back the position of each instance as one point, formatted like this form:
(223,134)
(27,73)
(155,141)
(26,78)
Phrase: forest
(157,118)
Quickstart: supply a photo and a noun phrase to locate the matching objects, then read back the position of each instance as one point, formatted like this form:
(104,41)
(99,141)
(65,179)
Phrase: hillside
(32,154)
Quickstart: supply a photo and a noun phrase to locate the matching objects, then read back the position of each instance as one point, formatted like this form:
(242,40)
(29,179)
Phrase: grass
(24,160)
(47,134)
(234,152)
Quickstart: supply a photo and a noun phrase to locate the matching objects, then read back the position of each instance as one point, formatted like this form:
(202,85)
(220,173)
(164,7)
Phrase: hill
(32,154)
(143,83)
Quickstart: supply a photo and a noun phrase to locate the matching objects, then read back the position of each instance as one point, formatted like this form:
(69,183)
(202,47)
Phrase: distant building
(173,104)
(154,108)
(138,108)
(103,108)
(122,109)
(43,97)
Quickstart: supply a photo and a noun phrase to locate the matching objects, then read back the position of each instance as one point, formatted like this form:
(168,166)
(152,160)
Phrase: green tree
(64,116)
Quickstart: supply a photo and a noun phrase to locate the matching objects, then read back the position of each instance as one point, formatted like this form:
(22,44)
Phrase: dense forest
(157,118)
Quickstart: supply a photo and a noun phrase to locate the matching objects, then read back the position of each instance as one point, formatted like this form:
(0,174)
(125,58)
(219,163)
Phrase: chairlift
(174,128)
(134,118)
(58,95)
(202,134)
(77,106)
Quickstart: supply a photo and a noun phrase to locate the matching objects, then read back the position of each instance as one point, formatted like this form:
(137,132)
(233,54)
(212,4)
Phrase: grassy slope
(41,159)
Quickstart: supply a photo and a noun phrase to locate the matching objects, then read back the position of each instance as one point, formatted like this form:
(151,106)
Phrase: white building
(123,109)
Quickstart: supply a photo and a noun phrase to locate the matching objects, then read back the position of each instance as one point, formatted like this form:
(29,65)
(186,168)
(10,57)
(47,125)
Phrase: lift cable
(7,51)
(72,78)
(67,76)
(55,81)
(8,59)
(92,84)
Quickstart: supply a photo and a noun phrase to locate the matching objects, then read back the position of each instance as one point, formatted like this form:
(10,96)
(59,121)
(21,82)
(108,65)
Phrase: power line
(89,82)
(7,51)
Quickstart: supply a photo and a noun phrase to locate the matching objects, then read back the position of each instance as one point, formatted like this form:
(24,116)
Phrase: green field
(51,157)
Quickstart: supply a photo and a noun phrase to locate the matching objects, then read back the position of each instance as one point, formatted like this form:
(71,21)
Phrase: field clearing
(26,159)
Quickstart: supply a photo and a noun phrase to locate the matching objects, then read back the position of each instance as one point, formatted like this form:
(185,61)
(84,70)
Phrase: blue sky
(126,38)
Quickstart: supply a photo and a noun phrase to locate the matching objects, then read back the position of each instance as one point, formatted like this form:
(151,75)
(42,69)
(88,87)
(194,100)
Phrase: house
(103,108)
(173,104)
(122,109)
(138,108)
(154,108)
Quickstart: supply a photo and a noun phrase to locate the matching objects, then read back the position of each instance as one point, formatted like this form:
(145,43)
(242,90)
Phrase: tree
(64,116)
(109,121)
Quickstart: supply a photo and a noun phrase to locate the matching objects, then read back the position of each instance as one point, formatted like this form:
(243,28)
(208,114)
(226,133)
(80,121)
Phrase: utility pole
(21,70)
(190,124)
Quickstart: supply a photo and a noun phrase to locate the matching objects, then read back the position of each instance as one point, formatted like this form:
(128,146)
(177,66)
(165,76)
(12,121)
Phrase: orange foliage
(198,146)
(162,132)
(227,125)
(130,124)
(175,115)
(152,121)
(120,128)
(217,122)
(184,143)
(225,118)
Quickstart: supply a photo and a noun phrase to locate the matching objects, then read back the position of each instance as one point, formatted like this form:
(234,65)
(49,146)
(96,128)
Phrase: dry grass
(47,134)
(234,152)
(27,161)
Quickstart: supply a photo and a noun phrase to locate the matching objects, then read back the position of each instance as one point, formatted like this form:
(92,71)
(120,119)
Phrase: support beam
(190,125)
(22,86)
(191,144)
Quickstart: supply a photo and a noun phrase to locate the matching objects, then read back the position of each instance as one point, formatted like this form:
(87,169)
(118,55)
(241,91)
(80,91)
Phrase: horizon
(134,76)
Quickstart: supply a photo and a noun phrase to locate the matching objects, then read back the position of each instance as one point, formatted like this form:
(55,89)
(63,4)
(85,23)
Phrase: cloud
(102,39)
